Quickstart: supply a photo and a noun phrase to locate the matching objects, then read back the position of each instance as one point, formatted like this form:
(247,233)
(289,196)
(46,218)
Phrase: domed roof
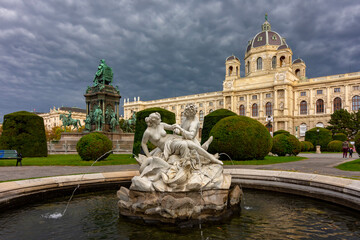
(232,57)
(299,60)
(266,37)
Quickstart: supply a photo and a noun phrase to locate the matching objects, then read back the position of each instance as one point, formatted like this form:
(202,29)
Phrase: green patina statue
(99,119)
(69,121)
(104,75)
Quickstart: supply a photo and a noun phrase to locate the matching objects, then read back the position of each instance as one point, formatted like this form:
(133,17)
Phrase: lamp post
(317,142)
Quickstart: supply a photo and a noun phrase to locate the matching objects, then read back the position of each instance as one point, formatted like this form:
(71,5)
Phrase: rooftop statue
(104,74)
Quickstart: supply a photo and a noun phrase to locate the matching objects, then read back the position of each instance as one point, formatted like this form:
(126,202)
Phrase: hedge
(323,137)
(335,146)
(284,144)
(211,119)
(281,132)
(93,145)
(140,126)
(240,137)
(357,142)
(306,146)
(25,132)
(340,136)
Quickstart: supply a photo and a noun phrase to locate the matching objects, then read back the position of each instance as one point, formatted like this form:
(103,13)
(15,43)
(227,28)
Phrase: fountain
(179,182)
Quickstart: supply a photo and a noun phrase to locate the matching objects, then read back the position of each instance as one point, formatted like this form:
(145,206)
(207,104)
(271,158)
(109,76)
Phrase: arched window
(242,110)
(268,107)
(254,110)
(337,104)
(259,63)
(282,61)
(201,115)
(210,111)
(320,106)
(248,67)
(237,71)
(230,70)
(273,62)
(297,72)
(355,103)
(303,107)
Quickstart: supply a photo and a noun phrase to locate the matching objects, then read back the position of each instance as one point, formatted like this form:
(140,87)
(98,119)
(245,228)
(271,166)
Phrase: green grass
(350,166)
(71,160)
(266,161)
(123,159)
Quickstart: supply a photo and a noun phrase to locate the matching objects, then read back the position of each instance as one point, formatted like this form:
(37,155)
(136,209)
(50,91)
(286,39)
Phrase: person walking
(345,146)
(350,152)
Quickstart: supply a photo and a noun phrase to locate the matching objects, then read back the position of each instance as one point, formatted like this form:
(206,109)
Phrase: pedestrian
(351,150)
(345,146)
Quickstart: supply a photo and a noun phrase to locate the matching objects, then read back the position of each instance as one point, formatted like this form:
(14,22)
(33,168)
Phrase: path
(316,163)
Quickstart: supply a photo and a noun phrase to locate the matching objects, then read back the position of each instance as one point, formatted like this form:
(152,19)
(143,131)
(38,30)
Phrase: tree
(340,122)
(344,122)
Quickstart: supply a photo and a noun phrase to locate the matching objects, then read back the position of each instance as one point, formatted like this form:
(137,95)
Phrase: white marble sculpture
(179,163)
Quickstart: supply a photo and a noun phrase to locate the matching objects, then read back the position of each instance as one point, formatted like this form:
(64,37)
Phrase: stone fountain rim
(338,190)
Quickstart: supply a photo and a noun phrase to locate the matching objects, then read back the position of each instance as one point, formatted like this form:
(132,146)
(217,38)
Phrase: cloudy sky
(50,49)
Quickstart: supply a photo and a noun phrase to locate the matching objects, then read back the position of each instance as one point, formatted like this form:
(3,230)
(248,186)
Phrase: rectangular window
(254,97)
(241,98)
(302,94)
(336,89)
(355,88)
(221,102)
(210,103)
(319,92)
(268,95)
(200,105)
(173,107)
(182,106)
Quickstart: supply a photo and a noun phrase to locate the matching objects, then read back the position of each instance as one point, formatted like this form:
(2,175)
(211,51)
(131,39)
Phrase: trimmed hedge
(25,132)
(340,136)
(286,144)
(93,145)
(306,146)
(140,127)
(335,146)
(211,119)
(242,138)
(357,142)
(324,137)
(281,132)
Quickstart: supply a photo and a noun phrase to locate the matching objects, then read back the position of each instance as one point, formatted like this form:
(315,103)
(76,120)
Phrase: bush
(211,119)
(339,136)
(25,132)
(335,146)
(357,142)
(286,144)
(281,132)
(324,137)
(306,146)
(242,138)
(93,145)
(140,127)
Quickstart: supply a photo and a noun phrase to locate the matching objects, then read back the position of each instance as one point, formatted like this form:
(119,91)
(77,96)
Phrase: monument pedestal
(122,142)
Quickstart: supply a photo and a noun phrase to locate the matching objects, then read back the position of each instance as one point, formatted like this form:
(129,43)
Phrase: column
(247,105)
(346,105)
(261,107)
(275,103)
(328,102)
(311,106)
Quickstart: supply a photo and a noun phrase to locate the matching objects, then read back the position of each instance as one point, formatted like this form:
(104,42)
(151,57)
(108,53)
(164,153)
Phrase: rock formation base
(179,207)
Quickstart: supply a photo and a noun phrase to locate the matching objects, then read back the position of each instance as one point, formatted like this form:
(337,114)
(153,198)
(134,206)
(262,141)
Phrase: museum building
(274,91)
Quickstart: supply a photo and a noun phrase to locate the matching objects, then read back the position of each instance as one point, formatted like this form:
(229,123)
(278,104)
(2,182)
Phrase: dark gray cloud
(50,49)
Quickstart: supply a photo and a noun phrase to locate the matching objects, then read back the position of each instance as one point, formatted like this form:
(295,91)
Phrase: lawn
(350,166)
(71,160)
(266,161)
(123,159)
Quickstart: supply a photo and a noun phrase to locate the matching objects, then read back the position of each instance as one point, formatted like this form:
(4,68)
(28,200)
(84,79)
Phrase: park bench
(11,154)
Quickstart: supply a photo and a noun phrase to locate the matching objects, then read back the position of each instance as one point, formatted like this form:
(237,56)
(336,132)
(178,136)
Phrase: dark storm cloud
(157,49)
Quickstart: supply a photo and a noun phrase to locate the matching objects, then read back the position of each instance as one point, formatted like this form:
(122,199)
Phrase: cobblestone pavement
(316,163)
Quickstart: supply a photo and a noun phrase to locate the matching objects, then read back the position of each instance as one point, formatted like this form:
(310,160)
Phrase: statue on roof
(266,17)
(104,74)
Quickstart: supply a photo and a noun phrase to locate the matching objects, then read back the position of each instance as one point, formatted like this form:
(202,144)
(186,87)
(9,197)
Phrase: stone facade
(274,85)
(52,118)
